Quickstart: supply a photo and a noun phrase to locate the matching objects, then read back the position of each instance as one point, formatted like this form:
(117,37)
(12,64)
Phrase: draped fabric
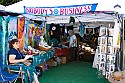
(4,20)
(116,34)
(31,28)
(12,28)
(20,28)
(1,33)
(55,31)
(26,34)
(82,27)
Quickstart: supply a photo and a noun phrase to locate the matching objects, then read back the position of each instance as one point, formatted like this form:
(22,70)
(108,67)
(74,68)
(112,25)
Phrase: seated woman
(15,57)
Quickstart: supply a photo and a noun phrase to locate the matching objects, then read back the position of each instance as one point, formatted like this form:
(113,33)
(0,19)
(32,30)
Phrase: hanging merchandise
(71,20)
(12,28)
(26,33)
(1,39)
(43,31)
(106,52)
(20,29)
(30,34)
(82,27)
(43,24)
(4,20)
(62,29)
(116,35)
(55,29)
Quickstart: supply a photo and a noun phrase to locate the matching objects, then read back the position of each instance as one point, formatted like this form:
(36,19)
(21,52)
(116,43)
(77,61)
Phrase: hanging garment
(26,33)
(5,21)
(55,29)
(62,30)
(12,28)
(82,28)
(20,28)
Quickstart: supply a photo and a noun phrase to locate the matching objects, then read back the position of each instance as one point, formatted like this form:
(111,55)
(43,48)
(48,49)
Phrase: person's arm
(66,42)
(23,51)
(12,59)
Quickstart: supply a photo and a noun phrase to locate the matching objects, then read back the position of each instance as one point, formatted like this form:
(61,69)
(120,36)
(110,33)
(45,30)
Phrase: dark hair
(12,42)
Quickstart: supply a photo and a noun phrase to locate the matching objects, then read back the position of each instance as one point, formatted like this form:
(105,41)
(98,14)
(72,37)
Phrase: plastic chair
(5,76)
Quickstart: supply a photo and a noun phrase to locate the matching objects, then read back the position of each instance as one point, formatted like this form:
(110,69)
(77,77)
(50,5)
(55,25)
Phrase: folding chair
(13,69)
(5,76)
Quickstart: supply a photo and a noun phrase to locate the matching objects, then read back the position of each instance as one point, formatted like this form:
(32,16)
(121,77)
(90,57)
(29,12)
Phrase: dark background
(8,2)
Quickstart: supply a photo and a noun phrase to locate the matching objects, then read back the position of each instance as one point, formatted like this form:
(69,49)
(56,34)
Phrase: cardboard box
(42,66)
(51,63)
(43,48)
(63,60)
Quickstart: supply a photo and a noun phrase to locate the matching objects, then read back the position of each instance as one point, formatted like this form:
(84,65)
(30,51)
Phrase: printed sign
(60,10)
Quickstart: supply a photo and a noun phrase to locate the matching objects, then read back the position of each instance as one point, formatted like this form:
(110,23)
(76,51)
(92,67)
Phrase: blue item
(82,28)
(18,54)
(5,76)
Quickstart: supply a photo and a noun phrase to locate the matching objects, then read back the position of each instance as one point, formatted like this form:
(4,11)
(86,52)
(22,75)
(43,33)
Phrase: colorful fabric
(54,42)
(55,29)
(31,29)
(4,39)
(31,69)
(26,34)
(43,57)
(12,28)
(1,33)
(21,22)
(82,28)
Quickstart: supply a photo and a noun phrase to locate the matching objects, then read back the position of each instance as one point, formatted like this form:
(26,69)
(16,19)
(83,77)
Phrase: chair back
(1,60)
(1,63)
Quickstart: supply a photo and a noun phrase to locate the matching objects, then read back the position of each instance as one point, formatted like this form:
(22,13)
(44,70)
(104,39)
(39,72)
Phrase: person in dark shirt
(15,57)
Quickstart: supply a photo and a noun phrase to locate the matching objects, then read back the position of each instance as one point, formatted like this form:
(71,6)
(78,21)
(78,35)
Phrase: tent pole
(123,44)
(45,26)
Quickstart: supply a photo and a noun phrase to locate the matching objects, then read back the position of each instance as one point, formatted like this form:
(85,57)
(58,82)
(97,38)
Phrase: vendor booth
(42,28)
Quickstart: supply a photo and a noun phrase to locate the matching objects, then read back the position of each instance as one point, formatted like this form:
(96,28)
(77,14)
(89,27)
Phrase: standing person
(15,57)
(73,45)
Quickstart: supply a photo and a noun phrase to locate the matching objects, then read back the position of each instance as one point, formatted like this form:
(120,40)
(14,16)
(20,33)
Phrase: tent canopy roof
(102,6)
(101,17)
(5,13)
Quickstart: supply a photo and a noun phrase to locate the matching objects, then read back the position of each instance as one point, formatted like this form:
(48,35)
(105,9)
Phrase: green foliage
(8,2)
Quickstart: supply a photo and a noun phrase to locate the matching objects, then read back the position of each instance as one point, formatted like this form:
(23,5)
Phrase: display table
(40,58)
(62,52)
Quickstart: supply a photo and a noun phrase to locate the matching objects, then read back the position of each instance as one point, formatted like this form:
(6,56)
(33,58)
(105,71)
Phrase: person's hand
(25,51)
(23,60)
(28,56)
(70,46)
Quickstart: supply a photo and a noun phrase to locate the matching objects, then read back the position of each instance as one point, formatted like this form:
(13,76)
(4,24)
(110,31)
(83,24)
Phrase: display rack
(106,52)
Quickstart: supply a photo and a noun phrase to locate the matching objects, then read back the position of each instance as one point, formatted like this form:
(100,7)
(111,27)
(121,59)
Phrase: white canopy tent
(2,7)
(96,19)
(102,6)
